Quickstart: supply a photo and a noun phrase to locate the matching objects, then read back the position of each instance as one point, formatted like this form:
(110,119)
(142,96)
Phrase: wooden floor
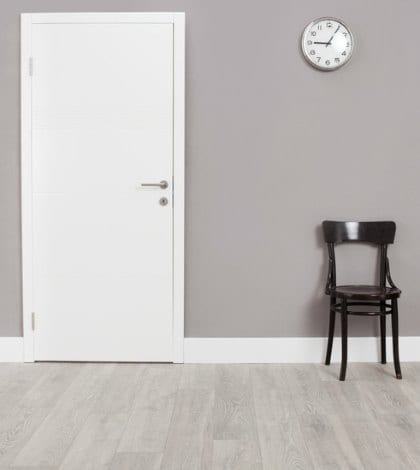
(139,416)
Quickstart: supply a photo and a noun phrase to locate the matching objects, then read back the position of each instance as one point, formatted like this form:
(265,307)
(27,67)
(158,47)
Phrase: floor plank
(189,443)
(148,425)
(234,415)
(96,443)
(25,417)
(136,461)
(50,442)
(236,455)
(280,438)
(329,443)
(16,380)
(190,439)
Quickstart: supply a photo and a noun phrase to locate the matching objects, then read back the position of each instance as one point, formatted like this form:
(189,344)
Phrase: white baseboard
(263,350)
(291,350)
(11,349)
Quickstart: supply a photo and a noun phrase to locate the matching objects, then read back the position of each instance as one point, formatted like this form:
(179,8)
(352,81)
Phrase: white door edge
(178,21)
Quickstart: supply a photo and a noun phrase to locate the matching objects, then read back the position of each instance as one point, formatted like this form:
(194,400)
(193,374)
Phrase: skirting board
(11,349)
(292,350)
(263,350)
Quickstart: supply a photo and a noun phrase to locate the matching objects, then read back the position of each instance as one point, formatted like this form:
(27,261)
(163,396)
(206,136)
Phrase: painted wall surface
(273,148)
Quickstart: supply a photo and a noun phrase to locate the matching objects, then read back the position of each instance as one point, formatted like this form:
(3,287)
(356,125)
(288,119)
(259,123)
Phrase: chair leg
(382,319)
(330,332)
(395,338)
(343,339)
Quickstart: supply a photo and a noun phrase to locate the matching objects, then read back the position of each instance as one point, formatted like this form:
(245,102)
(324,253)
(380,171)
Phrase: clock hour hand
(317,42)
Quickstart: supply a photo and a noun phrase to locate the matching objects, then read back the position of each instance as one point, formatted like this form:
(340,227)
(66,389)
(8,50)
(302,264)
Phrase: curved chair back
(380,233)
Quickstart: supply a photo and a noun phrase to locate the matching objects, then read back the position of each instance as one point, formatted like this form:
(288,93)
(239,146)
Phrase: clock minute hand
(332,37)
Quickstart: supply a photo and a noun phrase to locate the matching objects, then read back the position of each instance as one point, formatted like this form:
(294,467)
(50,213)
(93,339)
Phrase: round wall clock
(327,43)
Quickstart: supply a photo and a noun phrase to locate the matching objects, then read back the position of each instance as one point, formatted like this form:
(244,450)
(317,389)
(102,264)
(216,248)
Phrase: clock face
(327,43)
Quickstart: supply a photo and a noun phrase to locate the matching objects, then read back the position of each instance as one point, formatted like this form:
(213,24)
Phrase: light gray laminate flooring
(239,416)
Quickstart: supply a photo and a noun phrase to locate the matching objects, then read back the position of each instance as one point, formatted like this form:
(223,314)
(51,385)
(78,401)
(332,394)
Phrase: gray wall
(273,148)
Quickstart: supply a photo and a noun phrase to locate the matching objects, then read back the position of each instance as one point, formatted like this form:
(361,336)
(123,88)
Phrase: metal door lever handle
(162,185)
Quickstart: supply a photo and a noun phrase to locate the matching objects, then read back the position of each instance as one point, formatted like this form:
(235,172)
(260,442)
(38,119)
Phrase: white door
(102,130)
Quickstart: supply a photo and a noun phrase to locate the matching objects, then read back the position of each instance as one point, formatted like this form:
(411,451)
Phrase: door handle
(162,185)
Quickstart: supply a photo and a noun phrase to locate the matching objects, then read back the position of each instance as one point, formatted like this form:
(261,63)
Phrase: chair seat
(365,292)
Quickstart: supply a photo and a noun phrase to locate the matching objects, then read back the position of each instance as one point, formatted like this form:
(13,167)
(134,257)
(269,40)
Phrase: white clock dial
(327,43)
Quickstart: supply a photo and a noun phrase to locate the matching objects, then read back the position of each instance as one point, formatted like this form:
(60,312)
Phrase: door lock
(163,201)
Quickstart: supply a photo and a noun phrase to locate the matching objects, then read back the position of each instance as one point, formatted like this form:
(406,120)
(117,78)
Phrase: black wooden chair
(379,300)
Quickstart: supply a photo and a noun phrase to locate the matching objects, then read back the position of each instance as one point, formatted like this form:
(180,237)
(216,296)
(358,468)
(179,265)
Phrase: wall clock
(327,43)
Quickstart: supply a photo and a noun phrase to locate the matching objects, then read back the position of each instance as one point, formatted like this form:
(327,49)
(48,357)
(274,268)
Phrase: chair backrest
(380,233)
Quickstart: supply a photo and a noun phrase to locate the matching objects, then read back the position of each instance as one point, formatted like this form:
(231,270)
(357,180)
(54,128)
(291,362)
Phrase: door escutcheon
(163,201)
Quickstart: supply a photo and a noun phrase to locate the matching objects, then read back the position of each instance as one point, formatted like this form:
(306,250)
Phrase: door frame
(178,21)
